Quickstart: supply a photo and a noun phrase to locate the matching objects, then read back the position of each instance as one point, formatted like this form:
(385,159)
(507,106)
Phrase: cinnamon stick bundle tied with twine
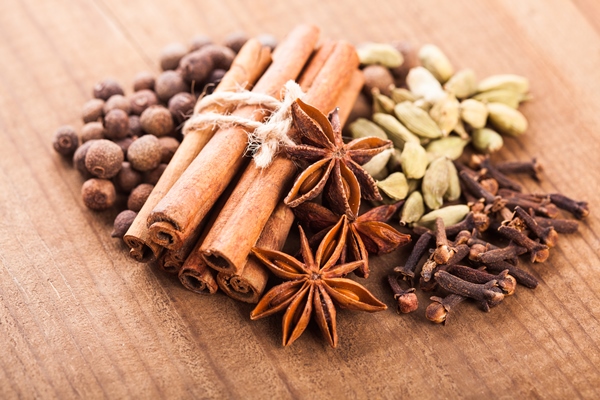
(247,67)
(175,218)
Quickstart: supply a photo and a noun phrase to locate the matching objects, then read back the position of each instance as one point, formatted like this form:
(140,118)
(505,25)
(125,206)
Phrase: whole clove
(440,308)
(559,225)
(421,247)
(547,235)
(505,282)
(406,298)
(579,209)
(523,277)
(488,294)
(532,168)
(539,252)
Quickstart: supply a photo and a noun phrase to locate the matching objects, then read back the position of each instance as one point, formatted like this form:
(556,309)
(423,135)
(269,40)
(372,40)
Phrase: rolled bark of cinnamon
(190,199)
(249,285)
(237,229)
(247,67)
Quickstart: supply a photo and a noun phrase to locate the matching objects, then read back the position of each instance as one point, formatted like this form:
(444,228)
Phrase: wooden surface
(79,319)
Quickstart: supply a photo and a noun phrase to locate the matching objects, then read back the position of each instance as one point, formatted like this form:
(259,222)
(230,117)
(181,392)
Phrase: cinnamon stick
(245,70)
(190,199)
(249,285)
(229,242)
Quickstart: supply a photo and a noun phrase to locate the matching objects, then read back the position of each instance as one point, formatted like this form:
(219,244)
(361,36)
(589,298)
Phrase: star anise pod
(313,286)
(336,166)
(368,234)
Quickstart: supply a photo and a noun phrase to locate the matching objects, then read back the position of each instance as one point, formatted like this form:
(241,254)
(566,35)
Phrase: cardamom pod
(506,120)
(424,85)
(446,113)
(382,103)
(460,130)
(504,96)
(413,209)
(486,140)
(436,62)
(400,94)
(450,215)
(463,84)
(396,132)
(413,184)
(376,167)
(362,127)
(451,147)
(435,183)
(453,192)
(417,120)
(395,186)
(474,113)
(414,160)
(379,53)
(515,83)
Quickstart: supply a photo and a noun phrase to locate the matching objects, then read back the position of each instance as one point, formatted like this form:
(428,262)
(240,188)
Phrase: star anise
(336,166)
(313,286)
(368,233)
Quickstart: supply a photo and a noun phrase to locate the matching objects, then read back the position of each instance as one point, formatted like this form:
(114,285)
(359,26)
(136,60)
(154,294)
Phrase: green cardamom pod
(486,140)
(515,83)
(453,192)
(507,120)
(435,183)
(460,130)
(462,84)
(424,85)
(446,113)
(413,209)
(379,53)
(504,96)
(450,215)
(395,186)
(474,113)
(417,120)
(451,147)
(434,60)
(362,127)
(396,132)
(382,103)
(376,167)
(400,94)
(414,160)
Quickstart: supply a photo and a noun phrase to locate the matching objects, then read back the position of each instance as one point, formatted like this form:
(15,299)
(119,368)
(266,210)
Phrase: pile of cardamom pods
(431,112)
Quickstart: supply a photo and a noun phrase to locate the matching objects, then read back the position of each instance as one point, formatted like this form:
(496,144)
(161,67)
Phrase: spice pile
(202,210)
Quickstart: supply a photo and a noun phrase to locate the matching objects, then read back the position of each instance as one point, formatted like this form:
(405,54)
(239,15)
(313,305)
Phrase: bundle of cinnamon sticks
(213,204)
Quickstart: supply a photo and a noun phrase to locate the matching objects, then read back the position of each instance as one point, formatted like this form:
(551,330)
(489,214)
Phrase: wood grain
(79,319)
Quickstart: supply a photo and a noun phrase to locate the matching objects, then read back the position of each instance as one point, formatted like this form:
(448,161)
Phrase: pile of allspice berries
(127,140)
(431,112)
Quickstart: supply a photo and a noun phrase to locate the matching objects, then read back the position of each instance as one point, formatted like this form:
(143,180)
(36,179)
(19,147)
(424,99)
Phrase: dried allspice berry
(127,178)
(141,100)
(122,223)
(117,101)
(124,144)
(157,121)
(145,153)
(103,159)
(378,76)
(143,81)
(116,123)
(213,80)
(107,88)
(65,141)
(154,175)
(171,54)
(92,131)
(138,196)
(236,40)
(79,158)
(98,194)
(199,41)
(135,126)
(93,110)
(169,146)
(196,66)
(168,84)
(181,106)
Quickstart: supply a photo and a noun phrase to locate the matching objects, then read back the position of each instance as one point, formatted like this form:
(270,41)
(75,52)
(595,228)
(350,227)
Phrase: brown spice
(127,178)
(107,88)
(157,121)
(235,40)
(171,54)
(138,196)
(378,76)
(116,123)
(98,194)
(79,158)
(145,153)
(168,84)
(92,131)
(103,159)
(169,146)
(181,106)
(65,141)
(142,99)
(199,41)
(143,80)
(93,110)
(135,127)
(153,176)
(123,221)
(117,101)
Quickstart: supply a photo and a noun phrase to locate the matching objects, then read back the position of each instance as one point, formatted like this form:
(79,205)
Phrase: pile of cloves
(466,260)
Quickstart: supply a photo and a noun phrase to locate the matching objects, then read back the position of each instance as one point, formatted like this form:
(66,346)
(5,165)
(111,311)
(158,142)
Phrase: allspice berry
(143,80)
(98,194)
(154,175)
(92,131)
(168,84)
(157,121)
(79,158)
(196,66)
(117,101)
(124,144)
(168,146)
(135,127)
(127,178)
(65,141)
(103,158)
(116,123)
(181,106)
(378,76)
(141,100)
(171,54)
(145,153)
(221,56)
(122,223)
(213,80)
(138,196)
(107,88)
(235,40)
(93,110)
(199,41)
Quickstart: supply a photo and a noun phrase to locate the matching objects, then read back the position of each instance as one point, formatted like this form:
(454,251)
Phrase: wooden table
(78,318)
